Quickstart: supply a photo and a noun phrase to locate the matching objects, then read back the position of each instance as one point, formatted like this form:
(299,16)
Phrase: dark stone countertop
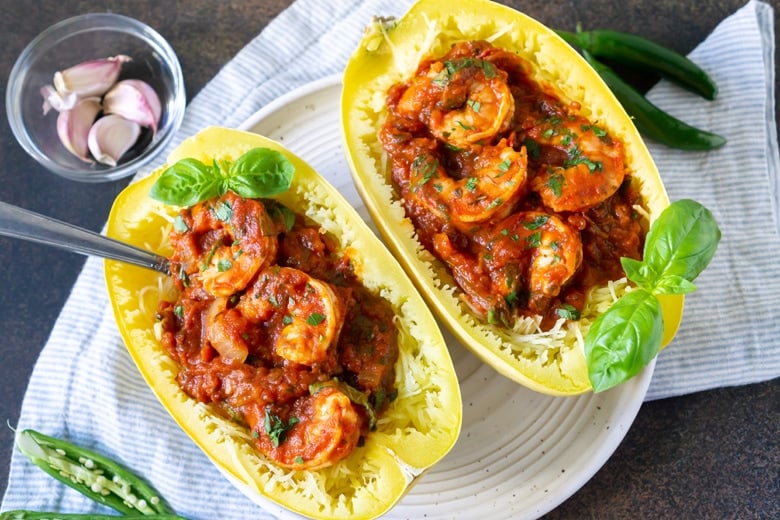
(714,454)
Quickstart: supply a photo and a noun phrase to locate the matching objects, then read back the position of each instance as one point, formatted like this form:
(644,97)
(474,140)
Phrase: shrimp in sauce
(463,101)
(284,335)
(591,167)
(224,243)
(308,312)
(526,201)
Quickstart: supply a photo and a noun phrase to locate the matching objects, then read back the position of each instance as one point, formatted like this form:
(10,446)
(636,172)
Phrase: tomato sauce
(528,203)
(302,353)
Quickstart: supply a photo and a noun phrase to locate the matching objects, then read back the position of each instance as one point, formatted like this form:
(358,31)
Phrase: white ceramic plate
(520,453)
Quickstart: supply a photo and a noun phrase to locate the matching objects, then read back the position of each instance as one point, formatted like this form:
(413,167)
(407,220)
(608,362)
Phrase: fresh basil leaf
(623,339)
(187,182)
(681,242)
(638,272)
(261,172)
(674,285)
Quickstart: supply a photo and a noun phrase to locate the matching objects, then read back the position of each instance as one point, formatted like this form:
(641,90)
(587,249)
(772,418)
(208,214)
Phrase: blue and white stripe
(730,334)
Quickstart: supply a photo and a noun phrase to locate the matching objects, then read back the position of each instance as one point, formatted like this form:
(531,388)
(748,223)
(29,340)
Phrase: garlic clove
(111,137)
(135,100)
(73,126)
(55,100)
(90,78)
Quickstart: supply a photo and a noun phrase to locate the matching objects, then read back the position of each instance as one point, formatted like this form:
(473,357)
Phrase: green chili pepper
(650,120)
(638,52)
(92,474)
(20,514)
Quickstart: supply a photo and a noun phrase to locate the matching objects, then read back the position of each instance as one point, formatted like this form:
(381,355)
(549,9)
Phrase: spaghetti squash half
(416,430)
(431,49)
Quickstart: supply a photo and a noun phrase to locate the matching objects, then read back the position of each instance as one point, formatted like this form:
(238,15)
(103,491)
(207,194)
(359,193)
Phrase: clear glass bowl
(78,39)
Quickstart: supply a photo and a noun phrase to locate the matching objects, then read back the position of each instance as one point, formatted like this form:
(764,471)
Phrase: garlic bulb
(111,137)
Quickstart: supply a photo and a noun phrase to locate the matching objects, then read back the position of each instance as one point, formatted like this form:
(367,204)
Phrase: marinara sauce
(526,201)
(298,351)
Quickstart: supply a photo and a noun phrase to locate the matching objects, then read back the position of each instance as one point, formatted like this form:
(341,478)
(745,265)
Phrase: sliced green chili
(650,120)
(637,52)
(92,474)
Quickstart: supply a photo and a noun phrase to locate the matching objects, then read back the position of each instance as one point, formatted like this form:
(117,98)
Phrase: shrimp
(591,170)
(320,430)
(225,331)
(223,244)
(464,101)
(523,260)
(496,181)
(305,315)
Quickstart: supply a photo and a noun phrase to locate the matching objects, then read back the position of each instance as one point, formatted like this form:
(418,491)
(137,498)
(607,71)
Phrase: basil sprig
(260,172)
(678,247)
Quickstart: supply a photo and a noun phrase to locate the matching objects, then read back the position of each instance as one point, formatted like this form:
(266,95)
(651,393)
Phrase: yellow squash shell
(390,52)
(418,429)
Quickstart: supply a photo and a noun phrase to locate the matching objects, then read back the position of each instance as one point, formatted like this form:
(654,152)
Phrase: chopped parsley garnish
(223,212)
(534,240)
(533,148)
(184,277)
(425,166)
(576,157)
(315,318)
(567,312)
(179,225)
(555,183)
(224,265)
(536,223)
(597,131)
(276,428)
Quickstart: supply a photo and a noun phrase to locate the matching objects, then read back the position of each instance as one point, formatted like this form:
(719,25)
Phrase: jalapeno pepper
(650,120)
(635,51)
(92,474)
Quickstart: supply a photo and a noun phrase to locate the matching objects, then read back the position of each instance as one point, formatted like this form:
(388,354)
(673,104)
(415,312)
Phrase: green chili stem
(92,474)
(640,53)
(650,120)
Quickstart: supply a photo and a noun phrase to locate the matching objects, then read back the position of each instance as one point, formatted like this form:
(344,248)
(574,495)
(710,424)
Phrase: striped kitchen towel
(85,386)
(730,334)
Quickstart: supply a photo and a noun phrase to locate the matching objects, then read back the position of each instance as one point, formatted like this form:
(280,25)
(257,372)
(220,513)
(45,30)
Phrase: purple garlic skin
(135,100)
(73,126)
(87,79)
